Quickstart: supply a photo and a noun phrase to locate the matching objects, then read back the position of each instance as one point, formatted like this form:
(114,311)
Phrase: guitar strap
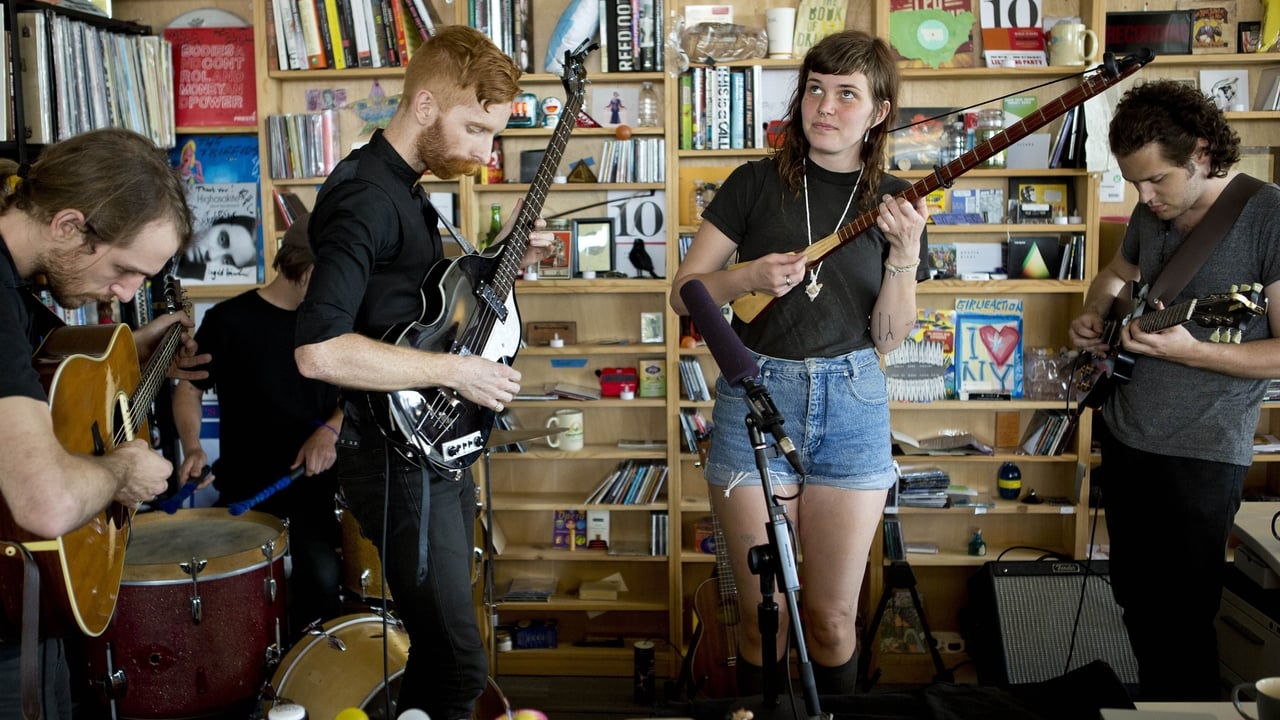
(29,663)
(1204,237)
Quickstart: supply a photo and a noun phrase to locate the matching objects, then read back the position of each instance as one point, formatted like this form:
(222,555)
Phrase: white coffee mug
(1268,692)
(780,27)
(570,439)
(1072,44)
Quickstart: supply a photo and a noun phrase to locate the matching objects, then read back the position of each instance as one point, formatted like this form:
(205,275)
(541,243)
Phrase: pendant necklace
(814,287)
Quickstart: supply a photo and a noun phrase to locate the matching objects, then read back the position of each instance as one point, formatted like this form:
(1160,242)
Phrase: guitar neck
(724,574)
(517,243)
(1157,320)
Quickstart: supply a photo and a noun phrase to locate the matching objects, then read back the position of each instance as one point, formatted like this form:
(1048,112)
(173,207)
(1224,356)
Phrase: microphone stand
(777,559)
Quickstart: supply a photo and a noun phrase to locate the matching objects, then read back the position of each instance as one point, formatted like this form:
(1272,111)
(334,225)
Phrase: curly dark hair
(1175,116)
(844,53)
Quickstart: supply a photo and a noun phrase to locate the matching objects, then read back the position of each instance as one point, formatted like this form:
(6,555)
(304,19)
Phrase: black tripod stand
(898,577)
(776,560)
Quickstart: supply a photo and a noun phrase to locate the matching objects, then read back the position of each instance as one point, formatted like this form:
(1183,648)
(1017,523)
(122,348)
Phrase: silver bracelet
(899,269)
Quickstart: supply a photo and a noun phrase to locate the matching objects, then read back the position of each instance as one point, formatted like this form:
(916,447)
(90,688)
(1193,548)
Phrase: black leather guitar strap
(1206,235)
(29,663)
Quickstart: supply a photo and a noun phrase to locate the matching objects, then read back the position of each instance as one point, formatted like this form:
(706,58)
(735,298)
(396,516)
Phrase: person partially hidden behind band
(818,345)
(272,421)
(96,215)
(1177,438)
(375,239)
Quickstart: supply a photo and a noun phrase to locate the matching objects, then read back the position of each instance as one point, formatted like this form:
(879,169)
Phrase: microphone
(737,365)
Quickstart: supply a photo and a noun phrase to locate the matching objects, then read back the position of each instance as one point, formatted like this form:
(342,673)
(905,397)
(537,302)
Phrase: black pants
(1168,519)
(55,681)
(447,668)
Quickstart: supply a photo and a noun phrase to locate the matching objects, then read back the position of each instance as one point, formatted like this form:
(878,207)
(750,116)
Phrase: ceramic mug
(780,27)
(1068,42)
(571,439)
(1268,692)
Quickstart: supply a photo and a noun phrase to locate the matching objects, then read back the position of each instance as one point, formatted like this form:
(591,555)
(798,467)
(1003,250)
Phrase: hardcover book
(922,368)
(1034,257)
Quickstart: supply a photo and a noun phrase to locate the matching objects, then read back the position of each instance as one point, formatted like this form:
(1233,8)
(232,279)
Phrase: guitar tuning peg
(1216,336)
(1239,336)
(1235,288)
(1257,287)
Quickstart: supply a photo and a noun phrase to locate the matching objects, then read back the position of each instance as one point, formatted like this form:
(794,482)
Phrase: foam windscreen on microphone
(737,364)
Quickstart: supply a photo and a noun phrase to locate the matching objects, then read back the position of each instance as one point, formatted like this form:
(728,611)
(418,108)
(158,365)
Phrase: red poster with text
(213,76)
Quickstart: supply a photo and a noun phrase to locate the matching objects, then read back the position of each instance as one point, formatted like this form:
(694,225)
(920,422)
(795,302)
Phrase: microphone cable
(382,560)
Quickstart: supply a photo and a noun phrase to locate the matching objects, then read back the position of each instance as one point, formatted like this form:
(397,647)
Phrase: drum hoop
(252,554)
(319,641)
(186,580)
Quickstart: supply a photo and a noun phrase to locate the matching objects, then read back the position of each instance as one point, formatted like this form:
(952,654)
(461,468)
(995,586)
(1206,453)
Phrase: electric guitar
(98,399)
(473,309)
(1227,313)
(750,306)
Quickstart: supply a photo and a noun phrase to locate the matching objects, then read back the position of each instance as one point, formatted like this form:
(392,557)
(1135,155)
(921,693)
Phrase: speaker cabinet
(1022,617)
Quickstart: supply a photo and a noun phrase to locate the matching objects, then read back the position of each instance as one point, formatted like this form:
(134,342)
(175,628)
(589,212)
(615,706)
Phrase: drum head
(159,542)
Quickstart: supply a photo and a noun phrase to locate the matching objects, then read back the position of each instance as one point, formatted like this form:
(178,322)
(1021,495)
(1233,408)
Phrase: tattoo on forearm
(886,333)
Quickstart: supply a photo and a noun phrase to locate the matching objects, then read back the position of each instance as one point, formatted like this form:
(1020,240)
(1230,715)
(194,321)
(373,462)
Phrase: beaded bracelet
(899,269)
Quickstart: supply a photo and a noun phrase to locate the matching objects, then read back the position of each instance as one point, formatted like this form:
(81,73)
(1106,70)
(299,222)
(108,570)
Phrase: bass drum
(362,568)
(340,666)
(199,616)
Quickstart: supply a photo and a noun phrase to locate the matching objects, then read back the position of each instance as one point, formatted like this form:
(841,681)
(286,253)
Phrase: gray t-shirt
(1179,411)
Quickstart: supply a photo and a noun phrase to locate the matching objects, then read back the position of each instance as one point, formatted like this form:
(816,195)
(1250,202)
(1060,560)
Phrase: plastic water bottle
(647,114)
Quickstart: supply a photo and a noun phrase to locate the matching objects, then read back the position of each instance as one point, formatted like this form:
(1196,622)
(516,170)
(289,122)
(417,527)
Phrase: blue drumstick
(172,504)
(243,506)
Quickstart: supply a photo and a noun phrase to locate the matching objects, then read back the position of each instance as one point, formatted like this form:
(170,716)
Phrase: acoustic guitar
(99,399)
(469,308)
(1227,313)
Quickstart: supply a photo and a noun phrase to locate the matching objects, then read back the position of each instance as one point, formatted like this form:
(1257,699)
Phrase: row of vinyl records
(632,482)
(303,145)
(340,34)
(75,76)
(1049,432)
(637,160)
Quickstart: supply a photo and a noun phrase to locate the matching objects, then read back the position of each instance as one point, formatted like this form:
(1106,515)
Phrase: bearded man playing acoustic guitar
(1178,435)
(96,215)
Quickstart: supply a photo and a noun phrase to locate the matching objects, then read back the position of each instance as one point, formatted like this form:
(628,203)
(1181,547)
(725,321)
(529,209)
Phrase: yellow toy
(1270,38)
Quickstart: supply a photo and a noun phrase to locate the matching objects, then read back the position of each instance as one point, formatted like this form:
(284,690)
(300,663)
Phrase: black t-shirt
(267,409)
(757,212)
(19,335)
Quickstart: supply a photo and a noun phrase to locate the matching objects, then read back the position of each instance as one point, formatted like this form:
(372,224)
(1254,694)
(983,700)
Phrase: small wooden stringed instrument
(472,302)
(711,667)
(1227,313)
(750,306)
(99,399)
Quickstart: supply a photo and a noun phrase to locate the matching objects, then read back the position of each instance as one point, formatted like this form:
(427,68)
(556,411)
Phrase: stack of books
(923,487)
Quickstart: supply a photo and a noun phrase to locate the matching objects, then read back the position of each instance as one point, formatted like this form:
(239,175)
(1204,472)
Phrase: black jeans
(447,668)
(1168,519)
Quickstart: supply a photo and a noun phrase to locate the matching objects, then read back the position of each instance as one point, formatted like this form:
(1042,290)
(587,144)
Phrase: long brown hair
(844,53)
(119,180)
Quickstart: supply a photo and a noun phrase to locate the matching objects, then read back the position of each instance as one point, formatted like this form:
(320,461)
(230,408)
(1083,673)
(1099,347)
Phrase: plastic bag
(723,41)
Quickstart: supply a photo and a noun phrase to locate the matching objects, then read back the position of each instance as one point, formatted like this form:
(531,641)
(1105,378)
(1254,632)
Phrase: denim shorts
(835,410)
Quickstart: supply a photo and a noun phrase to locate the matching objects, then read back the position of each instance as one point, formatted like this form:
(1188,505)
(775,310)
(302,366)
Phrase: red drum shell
(175,668)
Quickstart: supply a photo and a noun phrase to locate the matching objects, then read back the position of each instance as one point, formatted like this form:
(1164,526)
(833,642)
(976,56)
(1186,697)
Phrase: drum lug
(193,568)
(115,683)
(274,650)
(269,585)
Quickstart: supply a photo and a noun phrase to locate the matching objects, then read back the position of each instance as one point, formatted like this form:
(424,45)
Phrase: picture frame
(1248,36)
(592,245)
(1040,200)
(651,327)
(559,266)
(1213,25)
(1228,89)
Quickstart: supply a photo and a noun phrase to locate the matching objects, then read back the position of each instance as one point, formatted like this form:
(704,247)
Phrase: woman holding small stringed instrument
(1177,436)
(97,215)
(818,346)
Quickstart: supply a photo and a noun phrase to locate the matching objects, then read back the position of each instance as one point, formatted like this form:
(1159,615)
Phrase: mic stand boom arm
(777,560)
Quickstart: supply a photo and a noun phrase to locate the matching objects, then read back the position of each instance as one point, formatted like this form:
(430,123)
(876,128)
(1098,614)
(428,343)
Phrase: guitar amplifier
(1022,616)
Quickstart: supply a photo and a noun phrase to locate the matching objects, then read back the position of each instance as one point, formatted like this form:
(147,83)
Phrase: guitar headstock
(175,296)
(575,69)
(1228,313)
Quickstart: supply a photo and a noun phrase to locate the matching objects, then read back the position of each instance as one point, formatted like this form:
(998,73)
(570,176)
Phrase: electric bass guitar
(1098,376)
(472,307)
(99,399)
(750,306)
